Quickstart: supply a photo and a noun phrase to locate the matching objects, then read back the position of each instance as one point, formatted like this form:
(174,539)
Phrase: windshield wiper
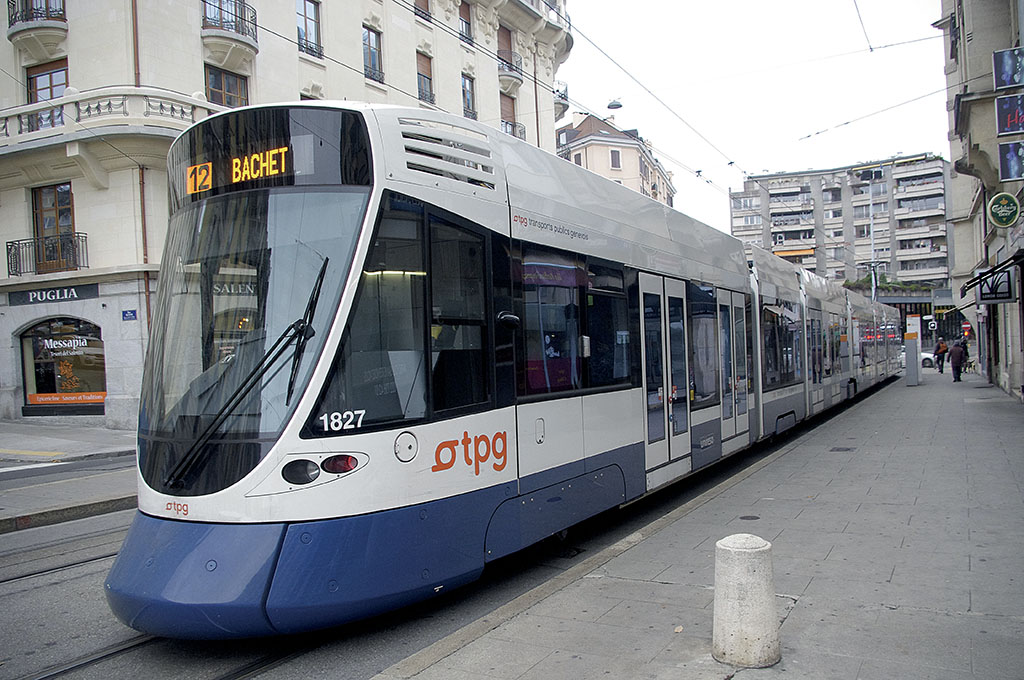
(307,328)
(299,330)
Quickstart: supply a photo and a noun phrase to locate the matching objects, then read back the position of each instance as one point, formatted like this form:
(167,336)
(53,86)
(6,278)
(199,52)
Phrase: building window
(46,82)
(422,9)
(63,365)
(424,78)
(468,97)
(307,16)
(226,88)
(616,159)
(578,160)
(465,25)
(53,217)
(373,66)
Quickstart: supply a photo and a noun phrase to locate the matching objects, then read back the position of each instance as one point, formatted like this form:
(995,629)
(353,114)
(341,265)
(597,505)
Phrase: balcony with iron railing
(515,129)
(229,34)
(37,28)
(47,254)
(561,98)
(27,11)
(510,71)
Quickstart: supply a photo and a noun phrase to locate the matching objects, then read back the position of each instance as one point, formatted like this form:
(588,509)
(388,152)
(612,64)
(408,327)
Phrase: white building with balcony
(889,215)
(92,93)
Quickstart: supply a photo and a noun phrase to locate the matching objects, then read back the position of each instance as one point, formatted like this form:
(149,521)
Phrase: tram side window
(552,282)
(783,344)
(607,327)
(458,310)
(704,356)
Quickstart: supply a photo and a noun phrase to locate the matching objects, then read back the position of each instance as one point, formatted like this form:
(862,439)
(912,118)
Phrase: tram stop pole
(745,623)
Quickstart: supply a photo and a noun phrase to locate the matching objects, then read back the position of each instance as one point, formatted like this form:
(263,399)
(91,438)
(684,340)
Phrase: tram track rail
(91,659)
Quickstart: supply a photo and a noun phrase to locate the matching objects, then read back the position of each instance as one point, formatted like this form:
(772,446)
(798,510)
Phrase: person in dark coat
(957,358)
(940,353)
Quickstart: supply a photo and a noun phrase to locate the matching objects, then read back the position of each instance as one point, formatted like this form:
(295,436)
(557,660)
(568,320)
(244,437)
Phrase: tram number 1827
(338,420)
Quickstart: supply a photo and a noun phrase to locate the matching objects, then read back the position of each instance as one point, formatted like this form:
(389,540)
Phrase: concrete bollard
(745,625)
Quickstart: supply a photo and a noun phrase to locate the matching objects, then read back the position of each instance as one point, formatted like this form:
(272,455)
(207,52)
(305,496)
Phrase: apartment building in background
(92,93)
(620,155)
(985,99)
(888,215)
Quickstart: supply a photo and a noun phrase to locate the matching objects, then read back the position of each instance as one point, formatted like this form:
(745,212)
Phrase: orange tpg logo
(484,448)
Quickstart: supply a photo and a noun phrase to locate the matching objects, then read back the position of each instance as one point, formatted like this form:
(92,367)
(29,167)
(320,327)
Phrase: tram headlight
(300,471)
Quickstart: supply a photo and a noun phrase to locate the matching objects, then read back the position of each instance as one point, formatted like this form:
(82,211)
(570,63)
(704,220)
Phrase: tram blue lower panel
(334,571)
(194,580)
(214,581)
(526,519)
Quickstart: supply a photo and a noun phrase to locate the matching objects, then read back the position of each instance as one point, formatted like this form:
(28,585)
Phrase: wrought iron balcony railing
(21,11)
(426,89)
(514,129)
(311,47)
(230,15)
(510,62)
(47,254)
(469,113)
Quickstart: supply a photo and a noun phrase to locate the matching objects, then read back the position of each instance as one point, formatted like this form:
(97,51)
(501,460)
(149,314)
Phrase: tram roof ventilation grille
(446,150)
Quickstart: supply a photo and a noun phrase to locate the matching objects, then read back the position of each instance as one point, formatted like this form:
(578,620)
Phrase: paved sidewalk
(33,441)
(898,543)
(39,487)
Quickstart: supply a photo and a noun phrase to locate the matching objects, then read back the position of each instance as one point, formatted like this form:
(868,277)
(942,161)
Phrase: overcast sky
(768,85)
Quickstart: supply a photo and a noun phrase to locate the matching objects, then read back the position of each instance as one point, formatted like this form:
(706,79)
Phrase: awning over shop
(791,253)
(1011,261)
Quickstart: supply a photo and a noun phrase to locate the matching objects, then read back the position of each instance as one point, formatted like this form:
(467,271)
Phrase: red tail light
(340,463)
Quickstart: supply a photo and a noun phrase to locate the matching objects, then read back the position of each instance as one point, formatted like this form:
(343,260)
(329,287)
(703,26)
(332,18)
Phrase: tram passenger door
(666,422)
(741,332)
(733,347)
(725,344)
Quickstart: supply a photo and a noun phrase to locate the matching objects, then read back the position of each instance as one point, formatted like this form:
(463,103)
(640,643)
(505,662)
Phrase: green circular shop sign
(1003,210)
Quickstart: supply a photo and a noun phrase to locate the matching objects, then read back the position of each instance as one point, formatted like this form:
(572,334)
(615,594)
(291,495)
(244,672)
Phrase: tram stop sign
(932,325)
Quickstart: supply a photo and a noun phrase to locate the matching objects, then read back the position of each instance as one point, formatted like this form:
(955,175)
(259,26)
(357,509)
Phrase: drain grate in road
(843,448)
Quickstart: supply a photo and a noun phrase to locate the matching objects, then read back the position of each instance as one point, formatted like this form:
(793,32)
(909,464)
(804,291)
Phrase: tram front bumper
(194,580)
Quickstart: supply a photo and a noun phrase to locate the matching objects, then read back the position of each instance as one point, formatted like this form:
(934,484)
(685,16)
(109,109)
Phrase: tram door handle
(540,430)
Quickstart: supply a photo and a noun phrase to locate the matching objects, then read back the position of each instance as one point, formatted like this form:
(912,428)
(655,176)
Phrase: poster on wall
(1008,68)
(1011,161)
(1010,114)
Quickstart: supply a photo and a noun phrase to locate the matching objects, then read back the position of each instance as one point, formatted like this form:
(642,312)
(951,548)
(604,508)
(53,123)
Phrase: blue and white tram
(391,345)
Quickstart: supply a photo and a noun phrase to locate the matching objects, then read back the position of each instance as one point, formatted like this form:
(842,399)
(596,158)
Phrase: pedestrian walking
(940,353)
(957,357)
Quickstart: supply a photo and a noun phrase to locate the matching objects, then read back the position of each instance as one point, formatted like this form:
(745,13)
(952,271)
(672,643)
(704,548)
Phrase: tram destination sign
(47,295)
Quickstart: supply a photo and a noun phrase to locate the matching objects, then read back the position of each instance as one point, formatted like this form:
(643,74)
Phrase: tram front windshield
(248,288)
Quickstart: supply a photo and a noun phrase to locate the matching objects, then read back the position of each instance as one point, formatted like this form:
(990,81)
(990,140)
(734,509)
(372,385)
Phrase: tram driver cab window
(416,343)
